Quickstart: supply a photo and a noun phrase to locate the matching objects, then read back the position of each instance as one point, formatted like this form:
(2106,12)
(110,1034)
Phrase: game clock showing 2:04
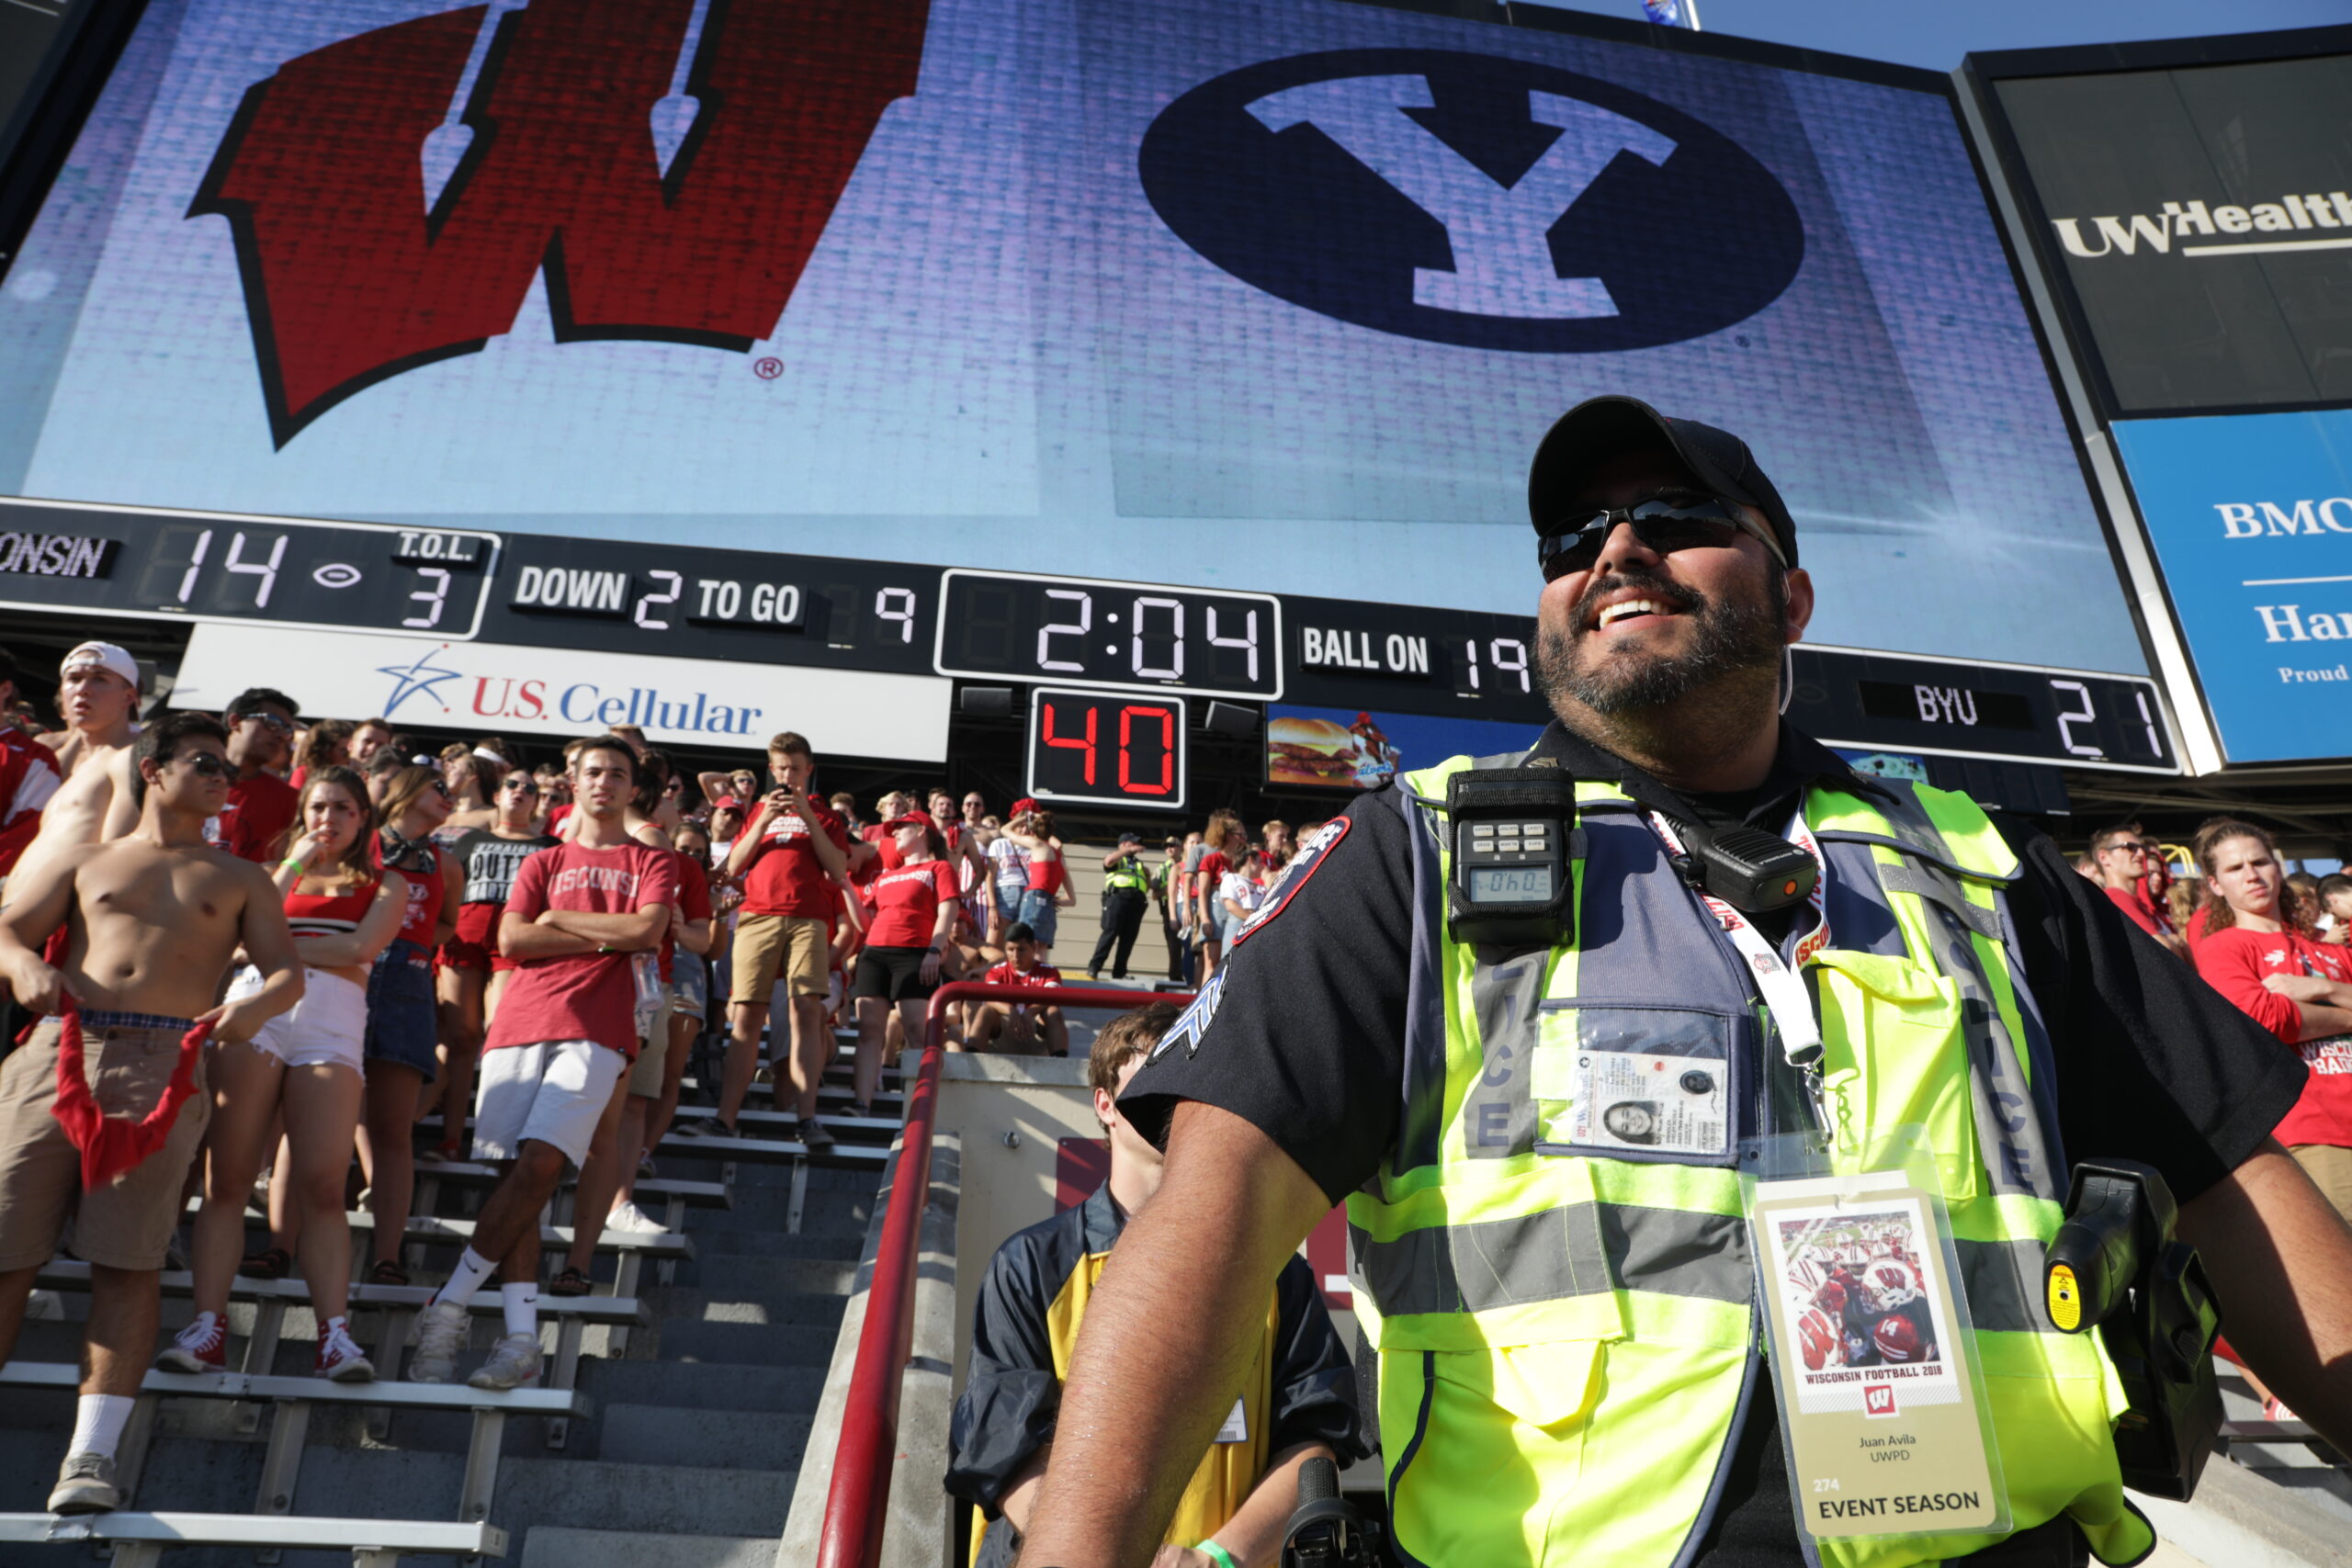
(1021,627)
(1121,749)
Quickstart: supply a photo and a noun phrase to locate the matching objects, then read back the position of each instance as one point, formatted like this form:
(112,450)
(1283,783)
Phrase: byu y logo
(1470,199)
(669,164)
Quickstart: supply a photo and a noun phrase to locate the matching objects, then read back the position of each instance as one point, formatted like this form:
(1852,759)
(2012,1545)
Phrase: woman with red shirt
(914,911)
(2260,952)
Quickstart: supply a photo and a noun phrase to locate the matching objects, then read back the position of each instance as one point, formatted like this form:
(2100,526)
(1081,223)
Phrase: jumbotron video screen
(1256,297)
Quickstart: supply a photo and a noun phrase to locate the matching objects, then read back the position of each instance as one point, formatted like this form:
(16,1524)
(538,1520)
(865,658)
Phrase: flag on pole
(1673,13)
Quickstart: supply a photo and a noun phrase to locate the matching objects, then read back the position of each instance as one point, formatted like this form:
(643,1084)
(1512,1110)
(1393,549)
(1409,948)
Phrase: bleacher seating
(674,1408)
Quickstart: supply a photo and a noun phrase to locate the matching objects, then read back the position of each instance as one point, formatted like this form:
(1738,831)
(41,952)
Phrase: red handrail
(866,1449)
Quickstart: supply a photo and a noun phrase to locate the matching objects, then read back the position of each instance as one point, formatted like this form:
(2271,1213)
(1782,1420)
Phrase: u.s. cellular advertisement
(1273,295)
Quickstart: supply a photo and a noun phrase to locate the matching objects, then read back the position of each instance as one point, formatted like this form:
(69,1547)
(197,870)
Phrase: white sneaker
(440,1335)
(628,1216)
(513,1364)
(85,1485)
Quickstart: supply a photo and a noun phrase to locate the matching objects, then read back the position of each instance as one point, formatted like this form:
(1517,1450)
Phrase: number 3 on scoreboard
(1070,731)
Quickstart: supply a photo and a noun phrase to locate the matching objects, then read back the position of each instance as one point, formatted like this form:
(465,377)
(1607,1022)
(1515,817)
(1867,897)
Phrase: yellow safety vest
(1566,1340)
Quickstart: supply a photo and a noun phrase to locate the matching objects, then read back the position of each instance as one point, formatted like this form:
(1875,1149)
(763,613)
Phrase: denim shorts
(402,1023)
(1037,908)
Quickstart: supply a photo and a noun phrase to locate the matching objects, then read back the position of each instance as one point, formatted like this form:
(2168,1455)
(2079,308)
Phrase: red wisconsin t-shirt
(2233,961)
(586,996)
(786,876)
(906,902)
(694,904)
(255,817)
(1043,977)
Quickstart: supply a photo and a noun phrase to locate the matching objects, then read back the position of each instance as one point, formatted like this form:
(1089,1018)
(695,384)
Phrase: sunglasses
(283,726)
(442,786)
(209,765)
(1663,524)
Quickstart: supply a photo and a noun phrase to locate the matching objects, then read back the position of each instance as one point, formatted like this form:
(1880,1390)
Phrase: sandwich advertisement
(1336,748)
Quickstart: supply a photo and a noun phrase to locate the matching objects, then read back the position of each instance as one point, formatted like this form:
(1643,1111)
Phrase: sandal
(570,1282)
(450,1152)
(386,1272)
(270,1263)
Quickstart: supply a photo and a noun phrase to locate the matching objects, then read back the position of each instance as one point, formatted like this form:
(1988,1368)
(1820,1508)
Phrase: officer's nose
(1623,551)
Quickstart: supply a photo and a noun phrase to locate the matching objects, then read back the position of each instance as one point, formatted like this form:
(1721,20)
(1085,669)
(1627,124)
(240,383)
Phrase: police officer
(1126,894)
(1565,1332)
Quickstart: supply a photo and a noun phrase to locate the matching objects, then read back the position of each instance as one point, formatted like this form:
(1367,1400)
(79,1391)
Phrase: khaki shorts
(769,948)
(645,1076)
(2330,1168)
(128,1222)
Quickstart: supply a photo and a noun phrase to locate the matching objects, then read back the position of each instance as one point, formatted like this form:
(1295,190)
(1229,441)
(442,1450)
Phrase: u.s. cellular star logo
(669,164)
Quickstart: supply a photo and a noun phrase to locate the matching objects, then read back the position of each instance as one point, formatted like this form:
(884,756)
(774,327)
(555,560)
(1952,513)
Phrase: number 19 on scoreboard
(1106,748)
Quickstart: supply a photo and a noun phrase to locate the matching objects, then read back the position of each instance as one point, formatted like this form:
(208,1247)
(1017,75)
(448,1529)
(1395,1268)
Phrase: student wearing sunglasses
(256,822)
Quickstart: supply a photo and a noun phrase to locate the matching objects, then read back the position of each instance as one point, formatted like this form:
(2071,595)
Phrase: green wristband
(1223,1558)
(290,864)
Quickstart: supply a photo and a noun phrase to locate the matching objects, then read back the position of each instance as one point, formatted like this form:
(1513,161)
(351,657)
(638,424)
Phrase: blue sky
(1935,36)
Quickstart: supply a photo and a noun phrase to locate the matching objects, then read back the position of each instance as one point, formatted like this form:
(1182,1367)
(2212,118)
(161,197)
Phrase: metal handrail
(855,1505)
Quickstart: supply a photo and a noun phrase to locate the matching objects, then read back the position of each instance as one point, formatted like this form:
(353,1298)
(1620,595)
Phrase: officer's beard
(1578,669)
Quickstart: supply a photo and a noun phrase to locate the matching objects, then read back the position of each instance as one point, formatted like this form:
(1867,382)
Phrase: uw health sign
(2250,517)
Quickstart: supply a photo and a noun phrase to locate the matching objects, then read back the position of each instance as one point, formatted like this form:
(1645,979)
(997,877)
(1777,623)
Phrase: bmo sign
(2252,524)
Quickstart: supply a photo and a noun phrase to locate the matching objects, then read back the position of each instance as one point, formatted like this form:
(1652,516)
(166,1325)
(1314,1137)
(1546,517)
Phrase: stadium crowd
(2278,944)
(266,950)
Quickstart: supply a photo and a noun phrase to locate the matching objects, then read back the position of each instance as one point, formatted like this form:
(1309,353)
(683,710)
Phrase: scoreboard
(1111,663)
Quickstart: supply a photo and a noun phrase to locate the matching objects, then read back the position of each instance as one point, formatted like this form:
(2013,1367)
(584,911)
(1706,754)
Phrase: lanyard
(1779,984)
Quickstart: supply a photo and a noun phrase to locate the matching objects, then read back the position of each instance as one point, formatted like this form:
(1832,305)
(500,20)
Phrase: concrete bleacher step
(618,1384)
(555,1546)
(669,1499)
(750,1344)
(713,1439)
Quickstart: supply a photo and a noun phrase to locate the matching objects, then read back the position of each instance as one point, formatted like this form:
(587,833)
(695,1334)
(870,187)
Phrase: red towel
(113,1144)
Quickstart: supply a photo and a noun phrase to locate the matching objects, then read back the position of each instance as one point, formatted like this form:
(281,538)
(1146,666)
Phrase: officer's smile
(1629,606)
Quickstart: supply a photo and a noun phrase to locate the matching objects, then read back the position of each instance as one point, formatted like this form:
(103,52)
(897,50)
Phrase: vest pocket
(1500,1449)
(1894,1054)
(1635,1080)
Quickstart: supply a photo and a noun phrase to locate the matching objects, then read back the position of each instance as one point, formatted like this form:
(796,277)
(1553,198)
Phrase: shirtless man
(98,692)
(151,920)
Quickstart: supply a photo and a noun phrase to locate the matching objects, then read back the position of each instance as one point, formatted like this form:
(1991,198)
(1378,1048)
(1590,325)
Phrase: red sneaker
(340,1356)
(201,1346)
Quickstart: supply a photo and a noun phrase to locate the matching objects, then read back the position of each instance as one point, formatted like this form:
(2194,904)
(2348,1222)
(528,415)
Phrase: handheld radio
(1512,883)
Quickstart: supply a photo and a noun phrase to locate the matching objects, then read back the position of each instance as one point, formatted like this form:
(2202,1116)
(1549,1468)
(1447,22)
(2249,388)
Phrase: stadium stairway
(694,1423)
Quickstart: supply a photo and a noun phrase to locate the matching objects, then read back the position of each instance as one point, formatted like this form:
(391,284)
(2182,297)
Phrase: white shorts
(325,1029)
(555,1092)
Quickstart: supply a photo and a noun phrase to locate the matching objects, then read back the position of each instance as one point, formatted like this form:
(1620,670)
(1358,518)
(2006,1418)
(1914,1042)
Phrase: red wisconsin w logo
(685,216)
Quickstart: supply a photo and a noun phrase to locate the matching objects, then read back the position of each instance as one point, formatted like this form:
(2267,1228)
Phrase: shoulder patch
(1303,865)
(1187,1029)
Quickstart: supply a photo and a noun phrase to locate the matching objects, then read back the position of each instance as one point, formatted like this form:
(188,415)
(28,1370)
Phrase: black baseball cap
(1131,838)
(1599,428)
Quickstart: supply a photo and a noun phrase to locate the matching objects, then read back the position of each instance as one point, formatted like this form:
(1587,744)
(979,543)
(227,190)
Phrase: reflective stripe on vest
(1575,1332)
